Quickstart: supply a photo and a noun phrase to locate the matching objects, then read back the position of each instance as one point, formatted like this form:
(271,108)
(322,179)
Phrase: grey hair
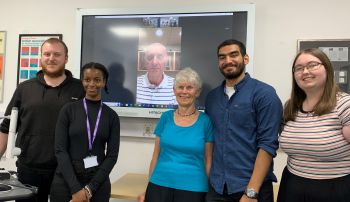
(188,75)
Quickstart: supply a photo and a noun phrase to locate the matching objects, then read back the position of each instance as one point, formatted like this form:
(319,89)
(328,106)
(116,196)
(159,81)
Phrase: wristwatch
(251,193)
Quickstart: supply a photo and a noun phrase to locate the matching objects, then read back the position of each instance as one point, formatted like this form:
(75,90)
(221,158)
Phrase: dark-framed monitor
(121,39)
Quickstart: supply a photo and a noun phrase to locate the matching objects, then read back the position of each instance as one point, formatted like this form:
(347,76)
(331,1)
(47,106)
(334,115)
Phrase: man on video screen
(155,87)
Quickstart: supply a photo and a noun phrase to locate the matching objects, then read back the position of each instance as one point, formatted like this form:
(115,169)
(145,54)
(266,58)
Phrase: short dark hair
(55,40)
(228,42)
(95,65)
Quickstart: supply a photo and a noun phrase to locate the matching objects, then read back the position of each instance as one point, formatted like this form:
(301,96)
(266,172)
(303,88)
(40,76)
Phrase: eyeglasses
(311,66)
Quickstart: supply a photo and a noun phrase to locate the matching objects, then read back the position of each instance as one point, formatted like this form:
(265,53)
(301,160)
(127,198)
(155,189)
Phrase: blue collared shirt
(243,124)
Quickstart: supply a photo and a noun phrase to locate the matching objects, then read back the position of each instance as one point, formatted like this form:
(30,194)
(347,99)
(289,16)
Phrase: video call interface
(119,42)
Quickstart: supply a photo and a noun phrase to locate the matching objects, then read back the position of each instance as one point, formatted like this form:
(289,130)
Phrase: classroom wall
(278,26)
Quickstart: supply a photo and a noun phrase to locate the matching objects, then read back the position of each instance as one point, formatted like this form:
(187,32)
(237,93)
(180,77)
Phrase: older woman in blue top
(183,147)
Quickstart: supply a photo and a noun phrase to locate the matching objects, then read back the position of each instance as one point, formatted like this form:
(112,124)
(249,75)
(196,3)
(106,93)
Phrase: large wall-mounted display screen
(143,53)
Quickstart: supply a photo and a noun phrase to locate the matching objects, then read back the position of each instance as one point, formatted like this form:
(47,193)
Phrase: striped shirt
(148,93)
(315,145)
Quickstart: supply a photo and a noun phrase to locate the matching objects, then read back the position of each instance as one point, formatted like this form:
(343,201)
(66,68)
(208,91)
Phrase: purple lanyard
(88,124)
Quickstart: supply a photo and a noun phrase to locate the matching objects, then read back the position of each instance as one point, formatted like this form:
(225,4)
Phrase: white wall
(278,26)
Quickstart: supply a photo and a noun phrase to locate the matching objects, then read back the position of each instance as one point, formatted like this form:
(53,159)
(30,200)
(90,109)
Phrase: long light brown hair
(329,97)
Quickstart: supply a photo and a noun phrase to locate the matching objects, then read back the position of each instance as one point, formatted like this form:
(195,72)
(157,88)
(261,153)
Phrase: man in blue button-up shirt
(246,114)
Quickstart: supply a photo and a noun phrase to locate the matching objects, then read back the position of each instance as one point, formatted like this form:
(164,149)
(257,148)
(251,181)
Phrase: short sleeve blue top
(181,163)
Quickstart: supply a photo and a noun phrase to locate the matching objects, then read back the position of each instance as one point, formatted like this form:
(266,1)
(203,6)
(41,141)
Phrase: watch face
(251,193)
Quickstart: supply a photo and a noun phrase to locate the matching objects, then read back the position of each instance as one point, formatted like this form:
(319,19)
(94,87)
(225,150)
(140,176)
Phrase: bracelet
(87,189)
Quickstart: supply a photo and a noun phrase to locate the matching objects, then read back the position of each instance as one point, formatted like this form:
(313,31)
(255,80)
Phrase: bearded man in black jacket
(39,101)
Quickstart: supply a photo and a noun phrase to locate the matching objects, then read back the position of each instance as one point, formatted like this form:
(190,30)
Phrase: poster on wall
(338,52)
(2,61)
(29,54)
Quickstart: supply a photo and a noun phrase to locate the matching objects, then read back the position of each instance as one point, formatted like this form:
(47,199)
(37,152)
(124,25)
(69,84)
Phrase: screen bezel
(156,112)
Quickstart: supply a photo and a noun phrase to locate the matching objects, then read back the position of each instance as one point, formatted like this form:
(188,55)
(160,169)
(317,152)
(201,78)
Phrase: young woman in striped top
(316,119)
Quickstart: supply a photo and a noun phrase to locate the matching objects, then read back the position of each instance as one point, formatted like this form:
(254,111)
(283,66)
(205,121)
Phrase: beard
(240,68)
(53,74)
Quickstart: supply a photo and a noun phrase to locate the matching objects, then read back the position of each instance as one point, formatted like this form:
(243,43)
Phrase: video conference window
(144,52)
(159,51)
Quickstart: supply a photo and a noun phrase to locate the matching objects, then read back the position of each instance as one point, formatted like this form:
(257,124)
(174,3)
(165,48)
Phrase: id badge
(90,161)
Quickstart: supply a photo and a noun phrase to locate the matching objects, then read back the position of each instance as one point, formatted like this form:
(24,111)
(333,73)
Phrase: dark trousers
(40,179)
(156,193)
(294,188)
(265,194)
(60,191)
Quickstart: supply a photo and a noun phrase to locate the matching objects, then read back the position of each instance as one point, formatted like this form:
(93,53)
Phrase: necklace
(308,113)
(190,114)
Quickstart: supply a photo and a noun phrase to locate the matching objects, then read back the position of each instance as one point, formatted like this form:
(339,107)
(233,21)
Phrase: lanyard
(88,124)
